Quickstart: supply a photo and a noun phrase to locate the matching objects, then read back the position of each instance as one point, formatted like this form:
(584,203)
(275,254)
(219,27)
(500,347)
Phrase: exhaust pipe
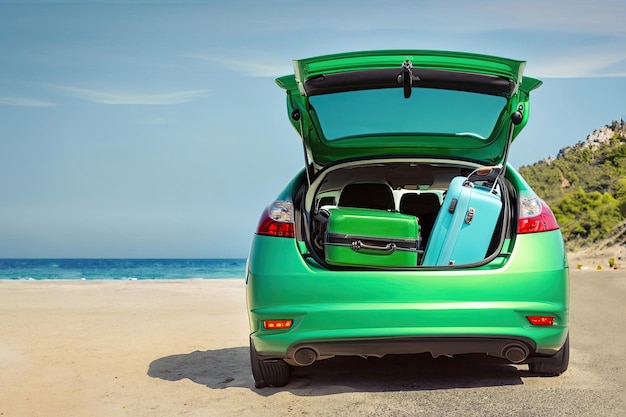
(305,356)
(515,352)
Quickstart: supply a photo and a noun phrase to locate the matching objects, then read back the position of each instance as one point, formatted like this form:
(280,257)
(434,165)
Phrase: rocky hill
(585,185)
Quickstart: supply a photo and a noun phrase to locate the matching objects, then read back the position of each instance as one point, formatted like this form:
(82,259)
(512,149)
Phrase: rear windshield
(428,111)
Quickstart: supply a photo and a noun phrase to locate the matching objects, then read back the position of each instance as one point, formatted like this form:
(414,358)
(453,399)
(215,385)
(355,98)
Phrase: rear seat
(425,206)
(372,195)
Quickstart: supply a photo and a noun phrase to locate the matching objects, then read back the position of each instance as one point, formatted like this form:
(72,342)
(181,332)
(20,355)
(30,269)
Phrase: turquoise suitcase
(370,237)
(466,222)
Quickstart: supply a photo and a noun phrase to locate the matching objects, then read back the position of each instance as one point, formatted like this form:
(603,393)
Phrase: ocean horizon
(120,268)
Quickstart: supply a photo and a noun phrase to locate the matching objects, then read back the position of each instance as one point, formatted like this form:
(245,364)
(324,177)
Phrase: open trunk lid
(407,104)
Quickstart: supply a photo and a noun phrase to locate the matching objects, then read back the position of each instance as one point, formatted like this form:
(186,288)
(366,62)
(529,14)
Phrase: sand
(613,257)
(169,348)
(105,348)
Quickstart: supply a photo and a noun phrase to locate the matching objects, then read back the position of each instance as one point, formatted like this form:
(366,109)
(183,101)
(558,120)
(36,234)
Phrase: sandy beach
(105,348)
(598,259)
(169,348)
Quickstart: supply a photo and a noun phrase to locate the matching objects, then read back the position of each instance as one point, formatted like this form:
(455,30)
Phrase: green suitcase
(369,237)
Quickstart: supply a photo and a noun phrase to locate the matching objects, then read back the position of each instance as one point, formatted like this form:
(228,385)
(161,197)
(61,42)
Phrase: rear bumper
(375,313)
(451,330)
(514,350)
(437,328)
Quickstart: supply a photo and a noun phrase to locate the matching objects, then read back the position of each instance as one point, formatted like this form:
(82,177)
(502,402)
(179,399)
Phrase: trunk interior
(398,214)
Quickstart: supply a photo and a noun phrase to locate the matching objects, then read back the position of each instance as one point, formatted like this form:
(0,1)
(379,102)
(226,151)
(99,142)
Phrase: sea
(120,269)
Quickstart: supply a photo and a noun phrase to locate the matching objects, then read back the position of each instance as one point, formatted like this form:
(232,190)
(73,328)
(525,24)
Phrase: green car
(407,232)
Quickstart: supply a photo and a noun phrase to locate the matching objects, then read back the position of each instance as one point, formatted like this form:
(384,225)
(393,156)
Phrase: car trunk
(396,214)
(404,154)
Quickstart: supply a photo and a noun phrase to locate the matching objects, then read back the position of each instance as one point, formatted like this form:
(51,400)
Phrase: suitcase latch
(452,205)
(469,215)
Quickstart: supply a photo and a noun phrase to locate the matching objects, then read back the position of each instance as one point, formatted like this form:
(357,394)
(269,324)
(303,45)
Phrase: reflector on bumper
(541,320)
(277,324)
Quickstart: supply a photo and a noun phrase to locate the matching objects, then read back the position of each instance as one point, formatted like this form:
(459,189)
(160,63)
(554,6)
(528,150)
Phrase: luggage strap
(372,245)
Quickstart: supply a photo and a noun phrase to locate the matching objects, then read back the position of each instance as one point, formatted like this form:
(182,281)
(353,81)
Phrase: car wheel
(276,372)
(270,372)
(554,365)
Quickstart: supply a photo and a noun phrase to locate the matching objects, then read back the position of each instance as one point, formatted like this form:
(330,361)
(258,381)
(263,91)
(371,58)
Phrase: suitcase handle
(488,174)
(388,249)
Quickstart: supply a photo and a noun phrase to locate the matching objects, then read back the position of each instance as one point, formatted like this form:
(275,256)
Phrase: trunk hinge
(296,115)
(516,119)
(492,174)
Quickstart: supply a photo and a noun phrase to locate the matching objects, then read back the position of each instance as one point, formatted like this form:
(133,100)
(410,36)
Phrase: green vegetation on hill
(585,186)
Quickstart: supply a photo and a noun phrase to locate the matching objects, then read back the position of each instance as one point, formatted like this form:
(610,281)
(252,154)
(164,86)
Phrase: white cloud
(451,16)
(25,102)
(581,63)
(251,67)
(107,97)
(600,17)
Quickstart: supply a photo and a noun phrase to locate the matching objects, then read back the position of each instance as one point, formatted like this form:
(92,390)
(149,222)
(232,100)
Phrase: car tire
(554,365)
(269,372)
(276,372)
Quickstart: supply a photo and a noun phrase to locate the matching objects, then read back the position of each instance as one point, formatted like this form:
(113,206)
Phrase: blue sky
(155,129)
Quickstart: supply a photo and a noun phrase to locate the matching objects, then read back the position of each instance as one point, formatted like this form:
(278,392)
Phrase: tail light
(535,216)
(277,220)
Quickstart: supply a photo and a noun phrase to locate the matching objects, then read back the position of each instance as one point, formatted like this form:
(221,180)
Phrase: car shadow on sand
(230,367)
